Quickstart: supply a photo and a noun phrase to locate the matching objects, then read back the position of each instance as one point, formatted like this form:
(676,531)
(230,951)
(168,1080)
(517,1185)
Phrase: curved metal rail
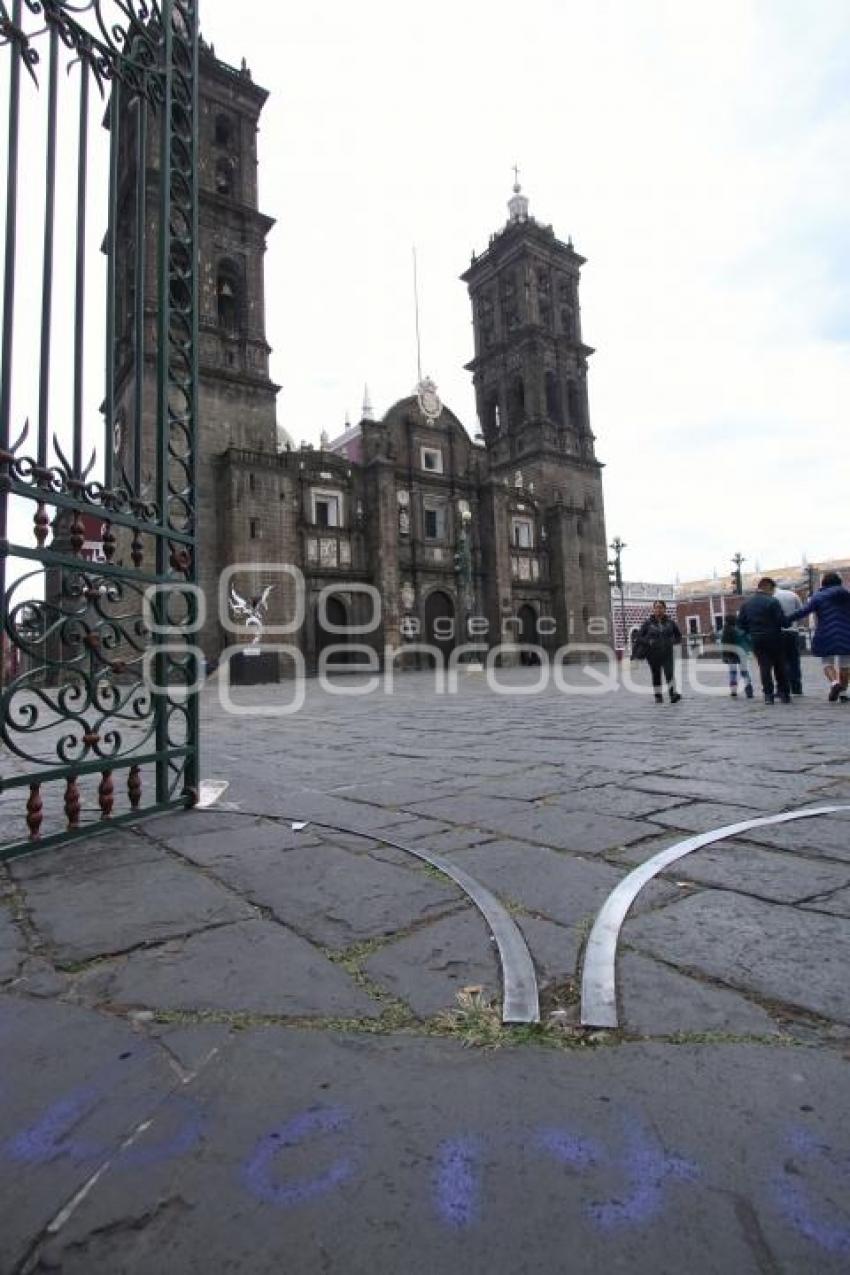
(520,1000)
(598,984)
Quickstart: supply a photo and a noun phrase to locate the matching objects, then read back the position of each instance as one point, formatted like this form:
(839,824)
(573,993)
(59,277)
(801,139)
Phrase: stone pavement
(229,1044)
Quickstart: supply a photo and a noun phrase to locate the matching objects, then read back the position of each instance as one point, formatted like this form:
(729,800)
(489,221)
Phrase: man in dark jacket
(763,619)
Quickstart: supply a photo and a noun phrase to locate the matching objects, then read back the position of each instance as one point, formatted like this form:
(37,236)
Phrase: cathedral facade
(402,532)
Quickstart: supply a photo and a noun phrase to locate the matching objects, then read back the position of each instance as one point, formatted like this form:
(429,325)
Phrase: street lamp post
(463,570)
(615,576)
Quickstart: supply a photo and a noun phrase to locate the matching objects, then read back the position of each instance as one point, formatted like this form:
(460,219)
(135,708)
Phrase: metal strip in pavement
(520,1001)
(599,976)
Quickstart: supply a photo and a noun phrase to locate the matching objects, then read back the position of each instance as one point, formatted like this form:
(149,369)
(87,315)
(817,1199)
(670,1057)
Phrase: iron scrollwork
(77,698)
(127,49)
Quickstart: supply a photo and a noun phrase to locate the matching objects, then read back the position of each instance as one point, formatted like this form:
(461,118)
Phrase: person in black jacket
(657,637)
(763,619)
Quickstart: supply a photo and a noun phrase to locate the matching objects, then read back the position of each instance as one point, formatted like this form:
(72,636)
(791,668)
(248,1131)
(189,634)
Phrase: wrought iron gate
(98,676)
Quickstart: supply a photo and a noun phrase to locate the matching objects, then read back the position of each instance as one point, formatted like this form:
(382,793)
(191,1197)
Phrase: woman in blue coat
(831,606)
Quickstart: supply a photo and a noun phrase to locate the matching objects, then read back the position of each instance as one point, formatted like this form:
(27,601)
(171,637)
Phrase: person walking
(791,602)
(762,618)
(657,637)
(735,646)
(831,606)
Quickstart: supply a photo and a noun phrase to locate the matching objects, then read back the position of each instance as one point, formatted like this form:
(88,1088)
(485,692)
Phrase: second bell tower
(530,364)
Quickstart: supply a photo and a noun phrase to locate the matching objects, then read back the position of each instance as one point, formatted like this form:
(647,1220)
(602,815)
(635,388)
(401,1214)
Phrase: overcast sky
(698,155)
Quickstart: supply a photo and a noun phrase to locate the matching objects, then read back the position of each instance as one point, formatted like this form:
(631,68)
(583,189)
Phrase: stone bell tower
(530,379)
(236,396)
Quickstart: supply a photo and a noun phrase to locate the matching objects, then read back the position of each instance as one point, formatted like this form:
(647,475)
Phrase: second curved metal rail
(598,984)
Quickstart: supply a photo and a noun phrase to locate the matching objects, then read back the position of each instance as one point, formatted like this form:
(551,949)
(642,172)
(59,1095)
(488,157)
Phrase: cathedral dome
(284,439)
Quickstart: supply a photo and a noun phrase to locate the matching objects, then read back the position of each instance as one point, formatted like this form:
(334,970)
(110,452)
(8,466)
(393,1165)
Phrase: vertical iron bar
(193,760)
(140,272)
(9,290)
(47,275)
(111,251)
(163,302)
(79,298)
(11,234)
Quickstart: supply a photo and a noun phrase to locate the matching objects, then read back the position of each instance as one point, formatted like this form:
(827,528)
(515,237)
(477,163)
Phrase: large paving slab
(263,842)
(749,869)
(472,809)
(611,799)
(252,967)
(336,897)
(564,888)
(371,1154)
(94,903)
(554,948)
(789,793)
(660,1001)
(12,946)
(75,1085)
(703,816)
(427,968)
(542,781)
(579,831)
(547,825)
(784,954)
(115,848)
(824,835)
(837,903)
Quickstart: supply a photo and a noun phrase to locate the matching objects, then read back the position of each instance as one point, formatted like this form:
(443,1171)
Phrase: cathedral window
(228,296)
(522,533)
(432,459)
(435,521)
(574,404)
(516,401)
(254,528)
(327,511)
(223,130)
(492,415)
(553,398)
(224,177)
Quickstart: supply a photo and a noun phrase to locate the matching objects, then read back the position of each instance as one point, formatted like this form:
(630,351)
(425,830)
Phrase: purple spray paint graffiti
(647,1166)
(52,1136)
(257,1172)
(792,1196)
(457,1182)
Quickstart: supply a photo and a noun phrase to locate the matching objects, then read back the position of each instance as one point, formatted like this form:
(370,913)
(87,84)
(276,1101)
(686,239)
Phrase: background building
(509,528)
(638,597)
(704,604)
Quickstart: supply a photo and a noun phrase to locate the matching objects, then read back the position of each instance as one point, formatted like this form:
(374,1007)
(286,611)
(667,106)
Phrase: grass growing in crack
(436,875)
(394,1018)
(477,1022)
(395,1015)
(728,1038)
(583,928)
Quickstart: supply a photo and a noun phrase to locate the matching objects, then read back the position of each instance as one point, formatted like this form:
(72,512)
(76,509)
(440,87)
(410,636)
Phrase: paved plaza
(266,1037)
